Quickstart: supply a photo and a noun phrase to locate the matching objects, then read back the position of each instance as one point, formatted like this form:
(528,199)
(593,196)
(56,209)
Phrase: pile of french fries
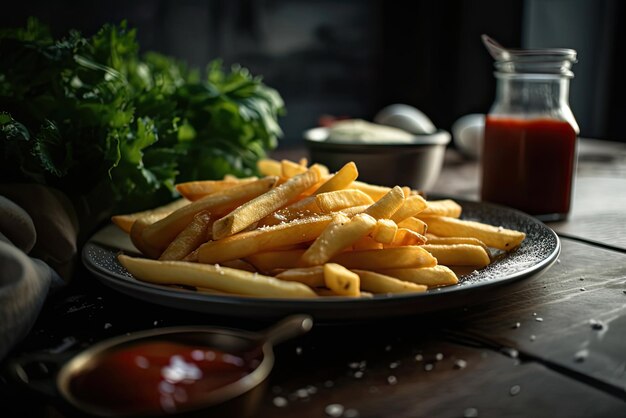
(301,232)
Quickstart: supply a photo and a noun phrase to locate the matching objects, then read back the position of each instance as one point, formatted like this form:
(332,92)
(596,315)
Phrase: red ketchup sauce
(158,376)
(529,164)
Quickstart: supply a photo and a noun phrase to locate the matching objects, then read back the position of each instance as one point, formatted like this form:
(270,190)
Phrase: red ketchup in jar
(158,377)
(529,164)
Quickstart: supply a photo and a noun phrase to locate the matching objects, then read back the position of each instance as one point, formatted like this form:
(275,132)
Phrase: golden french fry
(340,234)
(411,206)
(414,224)
(351,211)
(239,264)
(367,243)
(125,222)
(300,209)
(387,205)
(290,169)
(341,280)
(329,293)
(265,204)
(380,283)
(385,231)
(161,233)
(493,236)
(459,254)
(270,261)
(246,243)
(428,276)
(310,276)
(136,237)
(431,239)
(445,207)
(406,237)
(213,277)
(340,180)
(189,239)
(396,257)
(194,190)
(340,199)
(269,167)
(373,191)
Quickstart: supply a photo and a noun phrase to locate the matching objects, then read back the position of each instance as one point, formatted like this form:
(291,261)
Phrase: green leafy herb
(90,114)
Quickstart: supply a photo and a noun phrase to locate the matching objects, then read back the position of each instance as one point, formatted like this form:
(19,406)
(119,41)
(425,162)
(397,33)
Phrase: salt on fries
(300,232)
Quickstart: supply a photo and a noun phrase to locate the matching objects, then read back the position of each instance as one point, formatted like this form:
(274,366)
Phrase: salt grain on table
(515,390)
(581,355)
(392,380)
(280,402)
(460,364)
(470,413)
(334,410)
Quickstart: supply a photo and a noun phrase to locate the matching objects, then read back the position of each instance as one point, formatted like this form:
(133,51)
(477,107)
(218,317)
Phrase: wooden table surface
(553,345)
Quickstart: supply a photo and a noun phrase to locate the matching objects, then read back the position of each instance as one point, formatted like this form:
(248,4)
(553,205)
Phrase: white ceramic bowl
(416,165)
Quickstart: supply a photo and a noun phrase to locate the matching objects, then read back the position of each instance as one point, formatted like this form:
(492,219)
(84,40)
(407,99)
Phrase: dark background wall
(352,57)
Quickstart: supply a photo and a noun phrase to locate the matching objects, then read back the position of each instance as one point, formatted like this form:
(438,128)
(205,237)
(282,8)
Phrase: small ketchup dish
(177,371)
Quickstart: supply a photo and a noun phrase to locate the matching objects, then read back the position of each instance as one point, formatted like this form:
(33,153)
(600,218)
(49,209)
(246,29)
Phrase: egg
(468,132)
(405,117)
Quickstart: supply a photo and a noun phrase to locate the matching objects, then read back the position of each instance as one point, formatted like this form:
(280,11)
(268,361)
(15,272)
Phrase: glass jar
(529,150)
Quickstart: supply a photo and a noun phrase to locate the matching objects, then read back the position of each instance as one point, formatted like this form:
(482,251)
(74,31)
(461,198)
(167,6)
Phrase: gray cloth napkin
(37,239)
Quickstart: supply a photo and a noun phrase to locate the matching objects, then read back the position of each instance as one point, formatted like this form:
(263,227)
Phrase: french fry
(322,291)
(310,276)
(414,224)
(270,261)
(341,280)
(380,283)
(385,231)
(240,265)
(194,190)
(340,180)
(493,236)
(300,209)
(431,239)
(189,239)
(351,211)
(397,257)
(213,277)
(290,169)
(411,206)
(367,243)
(387,205)
(445,207)
(269,167)
(340,234)
(136,237)
(341,199)
(374,191)
(125,222)
(459,254)
(247,243)
(161,233)
(428,276)
(265,204)
(405,237)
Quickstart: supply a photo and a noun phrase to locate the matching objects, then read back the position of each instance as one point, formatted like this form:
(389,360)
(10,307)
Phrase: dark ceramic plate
(539,251)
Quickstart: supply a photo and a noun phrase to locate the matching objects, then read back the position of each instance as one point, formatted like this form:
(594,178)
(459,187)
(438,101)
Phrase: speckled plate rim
(538,252)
